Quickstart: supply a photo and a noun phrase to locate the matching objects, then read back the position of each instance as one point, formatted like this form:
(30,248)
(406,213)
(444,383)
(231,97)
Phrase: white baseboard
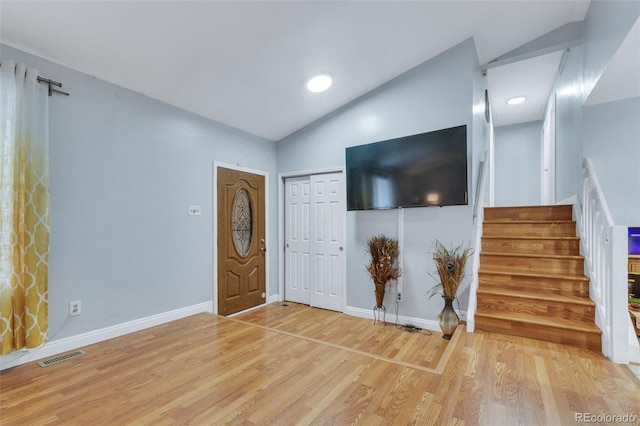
(270,300)
(74,342)
(391,318)
(274,298)
(56,347)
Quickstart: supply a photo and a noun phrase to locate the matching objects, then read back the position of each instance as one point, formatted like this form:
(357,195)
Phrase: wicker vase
(448,319)
(379,295)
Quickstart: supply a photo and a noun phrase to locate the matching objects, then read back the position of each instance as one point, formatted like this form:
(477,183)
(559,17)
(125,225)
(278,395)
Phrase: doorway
(241,243)
(314,237)
(548,172)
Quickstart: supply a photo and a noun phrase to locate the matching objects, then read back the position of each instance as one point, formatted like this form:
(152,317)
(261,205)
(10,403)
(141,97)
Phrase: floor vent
(60,358)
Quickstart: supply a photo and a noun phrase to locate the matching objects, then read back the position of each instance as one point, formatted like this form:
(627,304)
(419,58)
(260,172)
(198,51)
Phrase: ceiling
(621,78)
(245,63)
(532,78)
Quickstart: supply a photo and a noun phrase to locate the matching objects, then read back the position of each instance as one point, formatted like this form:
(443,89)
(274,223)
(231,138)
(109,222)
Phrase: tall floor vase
(379,310)
(448,319)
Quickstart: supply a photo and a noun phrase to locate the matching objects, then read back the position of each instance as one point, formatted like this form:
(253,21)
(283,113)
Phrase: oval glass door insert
(242,222)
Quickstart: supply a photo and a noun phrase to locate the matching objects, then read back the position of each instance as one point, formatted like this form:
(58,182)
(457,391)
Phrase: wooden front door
(241,241)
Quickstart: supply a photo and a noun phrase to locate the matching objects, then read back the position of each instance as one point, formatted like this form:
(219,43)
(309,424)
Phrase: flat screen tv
(634,240)
(427,169)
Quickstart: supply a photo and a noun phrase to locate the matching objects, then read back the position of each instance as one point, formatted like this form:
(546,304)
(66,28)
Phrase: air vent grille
(60,358)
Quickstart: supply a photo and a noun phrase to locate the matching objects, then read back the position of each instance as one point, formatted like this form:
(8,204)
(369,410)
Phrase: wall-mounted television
(427,169)
(634,240)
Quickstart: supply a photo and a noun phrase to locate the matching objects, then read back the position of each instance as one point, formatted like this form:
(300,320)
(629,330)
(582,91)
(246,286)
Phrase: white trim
(400,280)
(253,308)
(402,320)
(281,225)
(573,200)
(604,246)
(577,217)
(239,168)
(301,173)
(492,163)
(478,223)
(274,298)
(548,154)
(74,342)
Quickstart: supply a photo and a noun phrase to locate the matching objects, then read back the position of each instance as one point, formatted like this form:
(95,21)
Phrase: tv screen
(634,240)
(427,169)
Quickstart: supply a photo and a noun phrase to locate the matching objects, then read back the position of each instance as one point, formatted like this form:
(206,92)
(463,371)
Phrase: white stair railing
(604,246)
(478,218)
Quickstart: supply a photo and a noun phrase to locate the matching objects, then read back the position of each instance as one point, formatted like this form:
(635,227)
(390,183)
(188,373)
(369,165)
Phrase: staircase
(531,280)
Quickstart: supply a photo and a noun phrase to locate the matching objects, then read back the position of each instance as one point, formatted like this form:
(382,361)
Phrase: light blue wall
(435,95)
(612,140)
(124,168)
(517,169)
(606,25)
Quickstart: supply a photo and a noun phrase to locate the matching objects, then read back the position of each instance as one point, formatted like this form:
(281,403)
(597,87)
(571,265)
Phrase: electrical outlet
(399,297)
(75,308)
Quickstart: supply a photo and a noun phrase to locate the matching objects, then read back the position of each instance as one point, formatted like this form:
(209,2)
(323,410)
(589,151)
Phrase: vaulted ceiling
(245,63)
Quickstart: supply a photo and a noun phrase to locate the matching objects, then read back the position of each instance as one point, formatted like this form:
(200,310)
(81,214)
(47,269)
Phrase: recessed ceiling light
(516,100)
(319,83)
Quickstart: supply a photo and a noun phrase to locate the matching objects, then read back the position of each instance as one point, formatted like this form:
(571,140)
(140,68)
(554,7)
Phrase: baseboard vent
(60,358)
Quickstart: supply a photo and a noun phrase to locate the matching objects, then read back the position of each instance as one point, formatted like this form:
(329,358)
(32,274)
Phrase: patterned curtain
(24,203)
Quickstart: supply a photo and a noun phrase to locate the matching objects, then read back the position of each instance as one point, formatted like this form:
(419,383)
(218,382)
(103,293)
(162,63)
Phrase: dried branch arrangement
(384,253)
(450,265)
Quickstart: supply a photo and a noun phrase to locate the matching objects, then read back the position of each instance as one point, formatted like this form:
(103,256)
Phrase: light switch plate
(195,210)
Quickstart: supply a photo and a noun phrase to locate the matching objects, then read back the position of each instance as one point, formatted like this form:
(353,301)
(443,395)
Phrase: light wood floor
(289,366)
(425,350)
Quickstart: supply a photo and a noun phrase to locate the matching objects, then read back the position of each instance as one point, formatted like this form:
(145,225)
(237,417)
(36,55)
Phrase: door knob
(263,249)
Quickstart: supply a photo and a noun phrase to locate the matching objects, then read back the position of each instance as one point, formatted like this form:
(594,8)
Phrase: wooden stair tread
(531,277)
(533,256)
(529,228)
(533,243)
(523,213)
(545,207)
(537,238)
(547,297)
(536,275)
(526,221)
(562,323)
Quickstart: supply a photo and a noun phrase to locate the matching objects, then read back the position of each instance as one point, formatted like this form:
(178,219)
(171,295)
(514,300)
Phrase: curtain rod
(52,83)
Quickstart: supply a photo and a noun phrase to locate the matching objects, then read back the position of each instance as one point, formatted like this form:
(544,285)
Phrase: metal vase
(448,319)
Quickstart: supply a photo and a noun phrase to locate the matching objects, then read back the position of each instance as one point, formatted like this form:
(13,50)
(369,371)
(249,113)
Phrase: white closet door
(297,239)
(327,252)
